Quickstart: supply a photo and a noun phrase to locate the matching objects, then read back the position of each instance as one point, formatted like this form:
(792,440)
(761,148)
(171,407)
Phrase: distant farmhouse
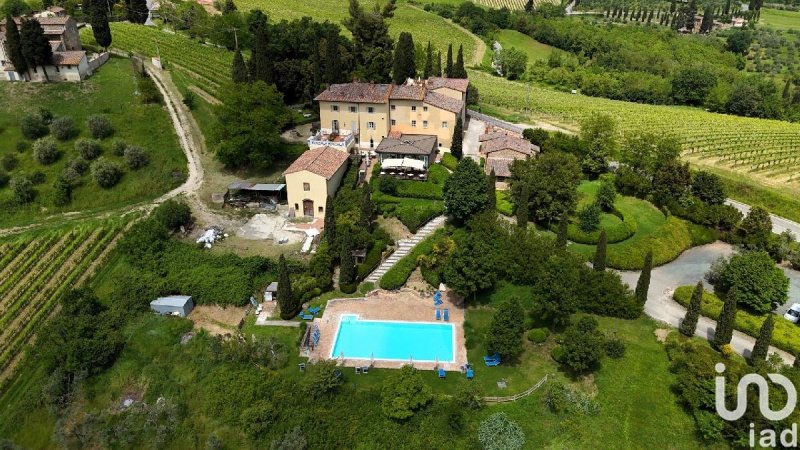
(69,63)
(501,149)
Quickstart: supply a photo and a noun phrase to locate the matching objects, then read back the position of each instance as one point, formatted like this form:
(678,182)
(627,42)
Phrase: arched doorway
(308,208)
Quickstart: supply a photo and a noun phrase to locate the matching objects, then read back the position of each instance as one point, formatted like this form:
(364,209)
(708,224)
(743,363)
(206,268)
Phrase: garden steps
(404,247)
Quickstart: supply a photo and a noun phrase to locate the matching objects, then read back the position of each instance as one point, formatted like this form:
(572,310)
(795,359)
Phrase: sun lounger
(441,373)
(438,314)
(314,310)
(495,357)
(470,374)
(446,315)
(492,363)
(306,316)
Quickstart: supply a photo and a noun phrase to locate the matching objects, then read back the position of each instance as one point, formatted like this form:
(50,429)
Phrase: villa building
(312,178)
(364,114)
(407,155)
(501,149)
(69,63)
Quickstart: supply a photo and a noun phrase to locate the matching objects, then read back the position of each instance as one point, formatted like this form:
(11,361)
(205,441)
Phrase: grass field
(782,20)
(535,50)
(497,4)
(110,92)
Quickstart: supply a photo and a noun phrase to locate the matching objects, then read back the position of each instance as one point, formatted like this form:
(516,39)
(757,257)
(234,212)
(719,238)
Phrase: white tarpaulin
(397,163)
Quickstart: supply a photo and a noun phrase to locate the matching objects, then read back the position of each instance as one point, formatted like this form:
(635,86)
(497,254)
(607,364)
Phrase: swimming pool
(389,340)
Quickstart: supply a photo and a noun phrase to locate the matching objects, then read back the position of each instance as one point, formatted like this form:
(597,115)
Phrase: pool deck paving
(403,305)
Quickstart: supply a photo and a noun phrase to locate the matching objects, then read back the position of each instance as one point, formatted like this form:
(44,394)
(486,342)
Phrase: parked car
(793,314)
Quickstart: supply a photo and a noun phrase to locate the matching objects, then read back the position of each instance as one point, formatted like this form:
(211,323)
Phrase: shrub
(78,164)
(606,195)
(63,128)
(9,162)
(22,146)
(387,184)
(538,335)
(106,173)
(88,149)
(589,218)
(396,277)
(4,178)
(449,161)
(190,100)
(173,214)
(33,126)
(498,432)
(727,351)
(404,393)
(23,189)
(70,176)
(99,127)
(561,399)
(45,151)
(38,177)
(759,283)
(118,147)
(583,346)
(136,157)
(615,348)
(469,396)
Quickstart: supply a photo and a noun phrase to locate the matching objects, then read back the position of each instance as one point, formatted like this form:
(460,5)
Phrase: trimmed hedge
(503,203)
(667,243)
(614,234)
(371,261)
(785,336)
(449,161)
(397,276)
(429,189)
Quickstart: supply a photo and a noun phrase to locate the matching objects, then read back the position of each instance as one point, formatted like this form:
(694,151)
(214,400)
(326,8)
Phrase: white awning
(409,163)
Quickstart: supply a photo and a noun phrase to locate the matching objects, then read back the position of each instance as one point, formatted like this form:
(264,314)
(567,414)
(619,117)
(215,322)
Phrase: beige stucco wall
(319,190)
(451,93)
(360,119)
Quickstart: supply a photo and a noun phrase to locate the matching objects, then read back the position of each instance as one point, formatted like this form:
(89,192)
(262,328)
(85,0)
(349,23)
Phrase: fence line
(517,396)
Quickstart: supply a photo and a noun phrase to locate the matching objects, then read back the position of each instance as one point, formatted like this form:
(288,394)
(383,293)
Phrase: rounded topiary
(63,128)
(136,157)
(348,288)
(88,149)
(538,335)
(9,162)
(615,348)
(557,354)
(45,151)
(106,173)
(99,127)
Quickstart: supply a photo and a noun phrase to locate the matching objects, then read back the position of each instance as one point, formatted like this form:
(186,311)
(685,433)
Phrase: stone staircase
(404,247)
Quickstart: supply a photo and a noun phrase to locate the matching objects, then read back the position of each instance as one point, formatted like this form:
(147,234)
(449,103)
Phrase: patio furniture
(470,374)
(492,363)
(358,370)
(441,373)
(446,315)
(306,316)
(438,314)
(495,357)
(314,310)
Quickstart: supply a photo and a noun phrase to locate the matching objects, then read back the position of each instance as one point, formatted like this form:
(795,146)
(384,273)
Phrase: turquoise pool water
(363,339)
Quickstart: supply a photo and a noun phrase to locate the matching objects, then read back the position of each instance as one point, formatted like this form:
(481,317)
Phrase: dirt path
(205,95)
(480,46)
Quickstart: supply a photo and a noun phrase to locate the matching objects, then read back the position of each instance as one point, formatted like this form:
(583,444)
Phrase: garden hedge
(397,276)
(614,234)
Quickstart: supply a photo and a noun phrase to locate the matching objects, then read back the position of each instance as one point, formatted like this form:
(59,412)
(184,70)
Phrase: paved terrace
(402,305)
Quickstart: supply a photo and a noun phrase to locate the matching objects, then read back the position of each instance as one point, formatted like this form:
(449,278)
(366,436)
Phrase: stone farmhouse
(69,63)
(501,149)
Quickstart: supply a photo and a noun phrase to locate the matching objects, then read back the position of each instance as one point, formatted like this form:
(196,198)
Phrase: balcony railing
(324,138)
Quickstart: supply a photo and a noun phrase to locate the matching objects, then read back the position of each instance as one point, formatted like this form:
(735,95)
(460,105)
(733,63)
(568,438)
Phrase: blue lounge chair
(441,373)
(446,315)
(314,310)
(495,357)
(438,314)
(492,363)
(306,316)
(470,374)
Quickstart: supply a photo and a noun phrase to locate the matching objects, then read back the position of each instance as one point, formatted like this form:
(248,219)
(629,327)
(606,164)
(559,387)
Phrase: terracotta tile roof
(68,58)
(323,161)
(509,143)
(408,92)
(444,102)
(492,135)
(408,144)
(356,93)
(458,84)
(53,20)
(501,166)
(395,134)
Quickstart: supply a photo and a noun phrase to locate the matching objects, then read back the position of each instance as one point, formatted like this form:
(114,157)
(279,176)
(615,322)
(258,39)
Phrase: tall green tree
(491,191)
(689,322)
(367,208)
(599,135)
(552,179)
(329,232)
(787,89)
(448,67)
(404,59)
(333,61)
(14,47)
(755,230)
(529,6)
(643,283)
(261,62)
(459,71)
(347,266)
(372,44)
(456,147)
(437,64)
(464,192)
(600,254)
(239,72)
(505,331)
(708,20)
(583,345)
(98,19)
(727,9)
(36,47)
(522,207)
(764,339)
(286,300)
(471,267)
(427,72)
(725,321)
(562,235)
(136,11)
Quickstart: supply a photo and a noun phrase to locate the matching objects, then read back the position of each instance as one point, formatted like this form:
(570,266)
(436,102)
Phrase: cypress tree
(347,267)
(14,46)
(260,61)
(643,284)
(239,70)
(787,89)
(796,363)
(404,61)
(529,6)
(724,331)
(689,323)
(672,6)
(367,209)
(448,68)
(522,207)
(458,70)
(761,347)
(437,66)
(458,136)
(333,71)
(35,45)
(491,191)
(599,262)
(562,235)
(727,9)
(136,11)
(330,222)
(427,72)
(708,20)
(286,300)
(98,19)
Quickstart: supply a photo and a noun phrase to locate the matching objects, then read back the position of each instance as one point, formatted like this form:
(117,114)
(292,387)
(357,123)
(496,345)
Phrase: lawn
(415,202)
(667,237)
(783,20)
(535,50)
(110,92)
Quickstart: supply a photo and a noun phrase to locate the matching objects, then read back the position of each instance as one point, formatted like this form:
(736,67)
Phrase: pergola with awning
(404,167)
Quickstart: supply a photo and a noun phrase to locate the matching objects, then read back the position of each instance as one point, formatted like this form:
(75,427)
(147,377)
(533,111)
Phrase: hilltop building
(312,178)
